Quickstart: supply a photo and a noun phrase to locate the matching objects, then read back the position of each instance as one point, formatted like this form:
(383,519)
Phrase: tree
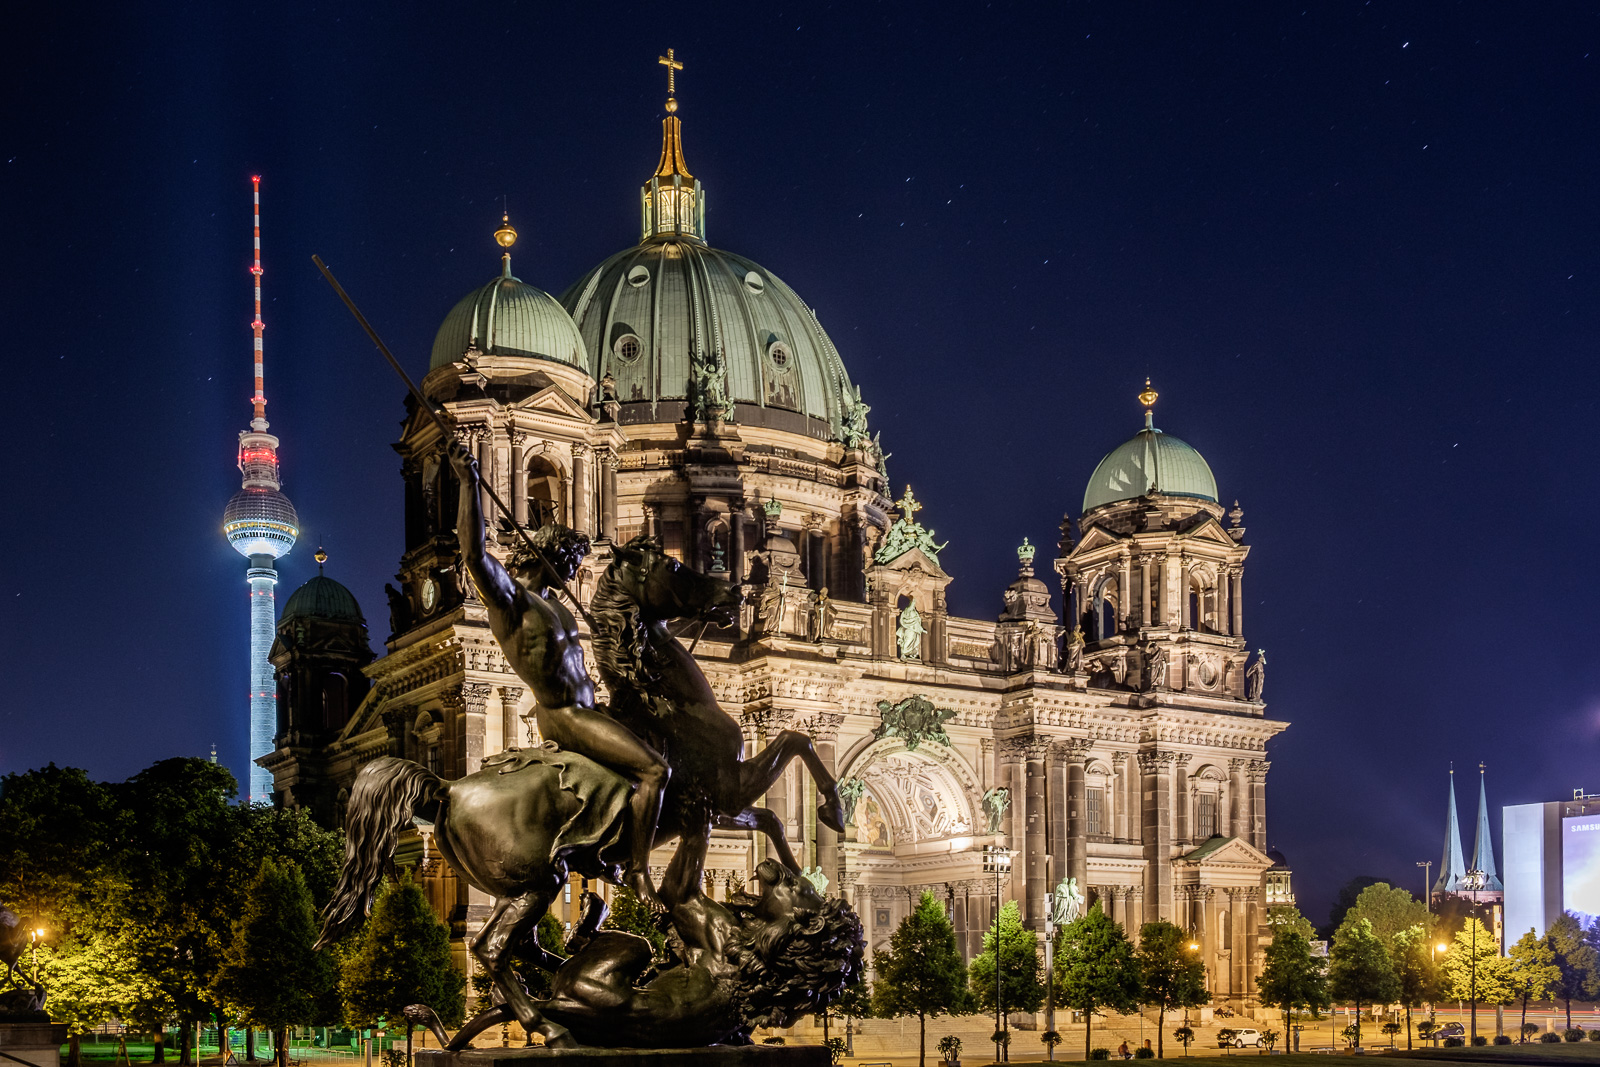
(1020,986)
(1488,981)
(1418,971)
(1287,915)
(921,973)
(401,956)
(1291,977)
(1577,959)
(1171,975)
(1533,970)
(1390,911)
(1345,900)
(631,916)
(272,973)
(1359,969)
(1095,969)
(90,977)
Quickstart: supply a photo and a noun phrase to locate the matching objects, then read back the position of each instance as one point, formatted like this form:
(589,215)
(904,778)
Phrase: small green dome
(323,598)
(1150,458)
(510,318)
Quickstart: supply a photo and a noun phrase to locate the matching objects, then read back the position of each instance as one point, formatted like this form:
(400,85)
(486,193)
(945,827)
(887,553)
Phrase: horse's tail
(386,793)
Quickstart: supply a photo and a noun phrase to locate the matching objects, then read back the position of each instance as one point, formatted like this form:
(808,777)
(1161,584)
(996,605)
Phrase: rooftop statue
(908,634)
(854,421)
(907,533)
(995,803)
(609,783)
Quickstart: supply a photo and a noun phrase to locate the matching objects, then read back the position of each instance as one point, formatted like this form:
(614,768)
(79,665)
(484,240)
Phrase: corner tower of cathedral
(686,393)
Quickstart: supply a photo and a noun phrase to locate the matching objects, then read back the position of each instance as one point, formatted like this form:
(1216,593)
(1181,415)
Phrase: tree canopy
(922,972)
(1171,975)
(1021,988)
(1095,969)
(1291,977)
(400,957)
(1359,969)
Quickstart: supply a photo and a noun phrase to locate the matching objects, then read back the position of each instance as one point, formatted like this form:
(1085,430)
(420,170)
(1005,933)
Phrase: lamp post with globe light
(997,860)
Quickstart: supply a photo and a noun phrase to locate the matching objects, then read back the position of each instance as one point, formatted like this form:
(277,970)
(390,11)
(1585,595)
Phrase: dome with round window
(655,316)
(508,317)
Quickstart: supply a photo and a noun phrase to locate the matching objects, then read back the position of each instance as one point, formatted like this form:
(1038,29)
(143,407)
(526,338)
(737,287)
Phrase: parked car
(1247,1038)
(1448,1030)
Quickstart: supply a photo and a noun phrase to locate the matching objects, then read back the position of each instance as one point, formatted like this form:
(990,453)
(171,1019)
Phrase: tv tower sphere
(260,521)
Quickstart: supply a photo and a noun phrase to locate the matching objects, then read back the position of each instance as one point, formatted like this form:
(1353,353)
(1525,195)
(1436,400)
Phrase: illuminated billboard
(1580,866)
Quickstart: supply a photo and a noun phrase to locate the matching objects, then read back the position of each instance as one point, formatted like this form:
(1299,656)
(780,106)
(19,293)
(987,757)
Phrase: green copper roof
(323,598)
(1150,458)
(511,318)
(647,313)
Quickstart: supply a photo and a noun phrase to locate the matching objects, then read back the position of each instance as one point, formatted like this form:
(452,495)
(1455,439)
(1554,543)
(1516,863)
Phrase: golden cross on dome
(673,66)
(908,505)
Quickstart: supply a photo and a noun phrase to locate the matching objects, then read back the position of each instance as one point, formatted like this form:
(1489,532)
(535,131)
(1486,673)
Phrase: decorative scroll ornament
(907,533)
(914,720)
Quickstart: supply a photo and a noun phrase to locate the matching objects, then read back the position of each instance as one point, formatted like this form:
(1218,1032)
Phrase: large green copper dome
(1150,458)
(508,317)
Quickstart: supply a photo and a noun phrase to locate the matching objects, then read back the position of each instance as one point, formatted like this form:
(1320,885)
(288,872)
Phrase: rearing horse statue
(659,692)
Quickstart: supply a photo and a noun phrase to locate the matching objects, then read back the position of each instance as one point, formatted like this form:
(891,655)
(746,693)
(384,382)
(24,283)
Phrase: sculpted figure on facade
(1256,676)
(1156,662)
(774,600)
(1074,656)
(908,634)
(821,622)
(995,803)
(914,720)
(1066,903)
(853,428)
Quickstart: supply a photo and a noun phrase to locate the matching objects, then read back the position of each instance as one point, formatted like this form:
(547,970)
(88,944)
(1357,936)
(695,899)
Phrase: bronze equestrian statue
(528,819)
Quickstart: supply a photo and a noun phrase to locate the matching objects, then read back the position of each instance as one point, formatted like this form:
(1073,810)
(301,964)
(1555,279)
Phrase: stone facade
(1131,754)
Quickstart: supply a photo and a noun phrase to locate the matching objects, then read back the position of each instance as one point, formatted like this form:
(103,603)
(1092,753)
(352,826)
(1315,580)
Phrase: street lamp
(1427,884)
(1473,881)
(998,861)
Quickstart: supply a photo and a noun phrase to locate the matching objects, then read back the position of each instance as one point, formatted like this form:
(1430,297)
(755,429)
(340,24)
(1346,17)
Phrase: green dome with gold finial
(1150,460)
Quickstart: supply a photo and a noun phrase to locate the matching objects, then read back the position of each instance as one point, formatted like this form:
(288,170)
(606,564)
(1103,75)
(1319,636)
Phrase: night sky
(1353,244)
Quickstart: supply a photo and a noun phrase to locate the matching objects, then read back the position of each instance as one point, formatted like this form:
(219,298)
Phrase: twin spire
(1453,872)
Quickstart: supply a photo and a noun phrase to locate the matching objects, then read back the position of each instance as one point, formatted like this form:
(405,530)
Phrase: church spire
(673,201)
(1451,866)
(1483,846)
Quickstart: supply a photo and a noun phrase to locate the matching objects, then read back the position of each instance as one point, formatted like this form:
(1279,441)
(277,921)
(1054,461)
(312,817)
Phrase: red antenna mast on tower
(260,399)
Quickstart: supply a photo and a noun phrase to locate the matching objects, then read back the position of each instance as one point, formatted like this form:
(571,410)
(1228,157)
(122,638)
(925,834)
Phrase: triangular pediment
(552,400)
(1209,529)
(914,560)
(1231,853)
(1097,537)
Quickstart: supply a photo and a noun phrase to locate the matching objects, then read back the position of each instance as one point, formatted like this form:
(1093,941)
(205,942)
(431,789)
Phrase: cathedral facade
(686,393)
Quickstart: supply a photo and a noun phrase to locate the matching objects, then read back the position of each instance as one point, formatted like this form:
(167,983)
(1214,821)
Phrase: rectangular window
(1206,818)
(1092,812)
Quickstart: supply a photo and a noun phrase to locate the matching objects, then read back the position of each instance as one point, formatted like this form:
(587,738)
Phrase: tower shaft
(262,578)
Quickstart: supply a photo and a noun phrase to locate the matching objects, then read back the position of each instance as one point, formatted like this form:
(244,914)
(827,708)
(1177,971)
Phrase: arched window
(546,492)
(1205,817)
(1203,603)
(335,698)
(1106,598)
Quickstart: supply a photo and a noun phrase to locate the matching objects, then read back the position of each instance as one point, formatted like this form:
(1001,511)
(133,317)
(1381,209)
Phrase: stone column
(1258,804)
(1182,830)
(1155,769)
(736,543)
(1034,839)
(484,445)
(1206,931)
(1136,915)
(1056,791)
(1126,607)
(475,706)
(1146,608)
(519,480)
(1133,800)
(510,696)
(1236,599)
(608,495)
(582,489)
(824,729)
(1251,953)
(1238,800)
(1117,823)
(1238,955)
(1076,753)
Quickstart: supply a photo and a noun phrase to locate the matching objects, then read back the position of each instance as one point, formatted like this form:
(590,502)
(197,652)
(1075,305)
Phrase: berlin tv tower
(261,525)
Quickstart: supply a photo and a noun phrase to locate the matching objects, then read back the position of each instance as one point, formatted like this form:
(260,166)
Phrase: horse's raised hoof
(831,814)
(562,1039)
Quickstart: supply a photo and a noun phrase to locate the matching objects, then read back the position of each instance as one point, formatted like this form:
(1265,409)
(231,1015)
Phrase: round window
(779,354)
(753,282)
(627,348)
(638,276)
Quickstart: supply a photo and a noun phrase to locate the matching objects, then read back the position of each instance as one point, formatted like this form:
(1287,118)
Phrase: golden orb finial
(506,235)
(321,556)
(1148,397)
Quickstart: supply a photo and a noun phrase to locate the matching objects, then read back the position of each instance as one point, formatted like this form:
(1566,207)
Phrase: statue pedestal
(714,1056)
(38,1043)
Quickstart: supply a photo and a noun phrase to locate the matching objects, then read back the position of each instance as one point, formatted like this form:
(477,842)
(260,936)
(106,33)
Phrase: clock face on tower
(430,594)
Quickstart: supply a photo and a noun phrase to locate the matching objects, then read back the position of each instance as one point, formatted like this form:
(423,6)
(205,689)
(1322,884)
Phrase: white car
(1247,1039)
